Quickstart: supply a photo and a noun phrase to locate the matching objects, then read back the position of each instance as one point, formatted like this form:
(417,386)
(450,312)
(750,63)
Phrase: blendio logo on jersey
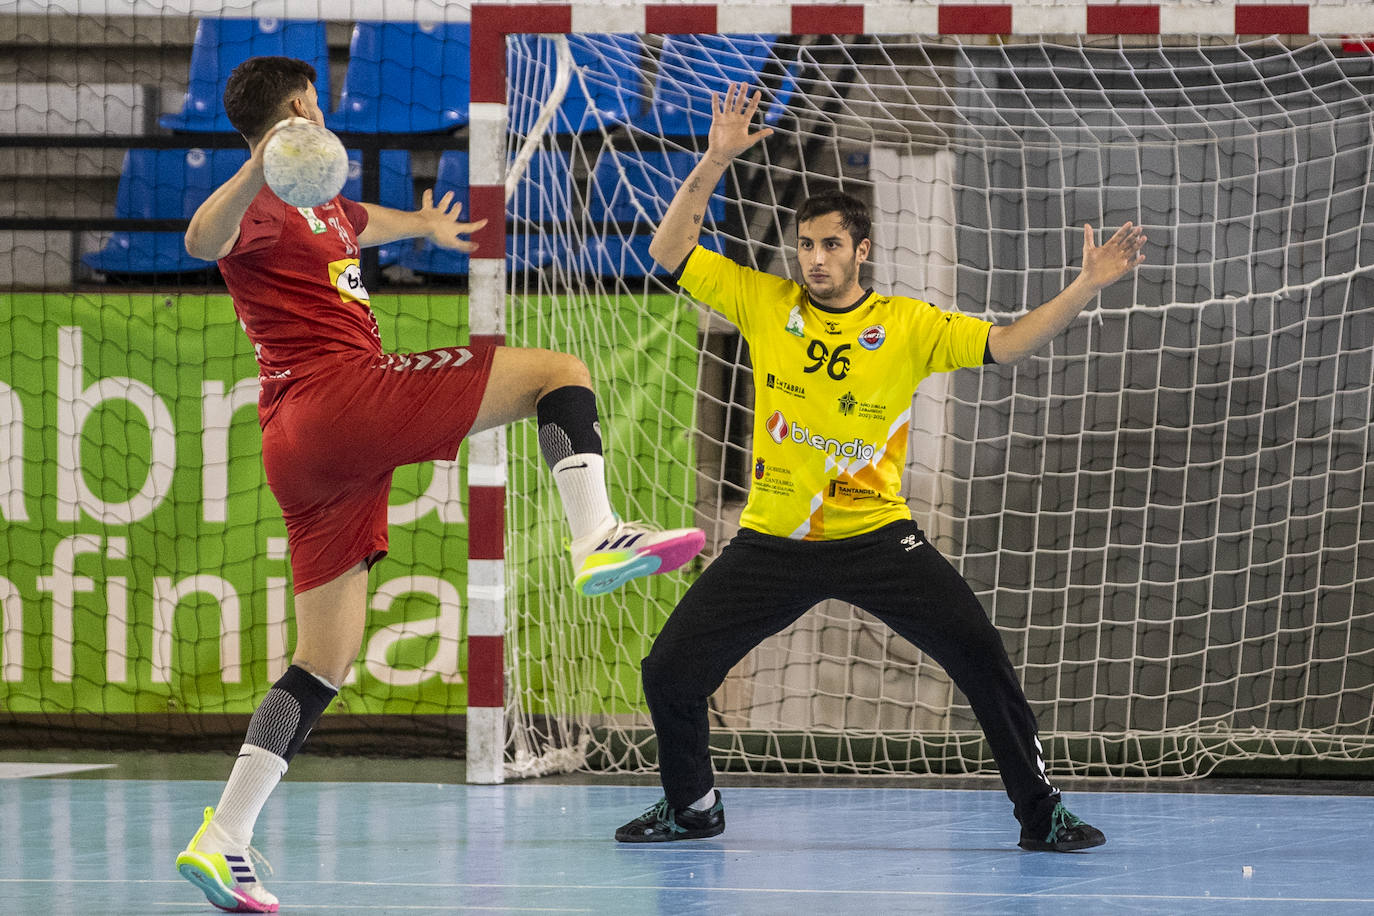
(780,430)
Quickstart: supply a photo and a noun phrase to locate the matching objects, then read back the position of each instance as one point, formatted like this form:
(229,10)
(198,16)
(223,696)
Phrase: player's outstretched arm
(1103,265)
(731,134)
(438,223)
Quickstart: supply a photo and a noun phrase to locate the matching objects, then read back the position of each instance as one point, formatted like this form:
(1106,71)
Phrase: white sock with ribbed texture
(256,773)
(581,483)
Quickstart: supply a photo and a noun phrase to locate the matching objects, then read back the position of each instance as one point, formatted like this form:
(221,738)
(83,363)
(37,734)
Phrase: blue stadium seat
(452,175)
(428,258)
(162,184)
(625,181)
(605,93)
(404,78)
(622,256)
(523,253)
(396,190)
(694,66)
(524,250)
(545,191)
(533,251)
(222,44)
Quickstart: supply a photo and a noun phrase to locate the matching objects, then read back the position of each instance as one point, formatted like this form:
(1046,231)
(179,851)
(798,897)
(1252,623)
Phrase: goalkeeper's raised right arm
(730,135)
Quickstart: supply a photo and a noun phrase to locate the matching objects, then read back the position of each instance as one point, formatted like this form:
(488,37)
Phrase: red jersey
(338,415)
(297,285)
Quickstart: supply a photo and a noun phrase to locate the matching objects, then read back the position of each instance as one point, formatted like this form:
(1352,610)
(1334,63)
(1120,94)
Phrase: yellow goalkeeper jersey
(832,394)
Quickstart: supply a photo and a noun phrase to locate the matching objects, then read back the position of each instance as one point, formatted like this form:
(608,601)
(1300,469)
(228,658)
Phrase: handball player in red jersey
(339,414)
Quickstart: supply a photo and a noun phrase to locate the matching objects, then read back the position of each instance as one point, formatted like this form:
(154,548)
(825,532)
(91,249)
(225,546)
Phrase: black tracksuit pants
(761,583)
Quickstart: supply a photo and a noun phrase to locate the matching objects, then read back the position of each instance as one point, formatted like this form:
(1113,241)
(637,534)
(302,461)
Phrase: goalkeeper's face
(830,260)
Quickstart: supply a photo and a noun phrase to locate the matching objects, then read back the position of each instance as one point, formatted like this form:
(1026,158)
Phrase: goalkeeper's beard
(826,290)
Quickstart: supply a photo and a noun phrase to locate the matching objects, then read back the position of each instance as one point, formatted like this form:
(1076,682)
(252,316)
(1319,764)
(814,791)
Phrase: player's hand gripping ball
(304,163)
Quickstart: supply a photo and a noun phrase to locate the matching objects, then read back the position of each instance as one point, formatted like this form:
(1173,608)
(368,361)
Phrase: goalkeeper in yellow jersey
(835,367)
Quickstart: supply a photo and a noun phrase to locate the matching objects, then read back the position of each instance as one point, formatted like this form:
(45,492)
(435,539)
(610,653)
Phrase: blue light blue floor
(107,846)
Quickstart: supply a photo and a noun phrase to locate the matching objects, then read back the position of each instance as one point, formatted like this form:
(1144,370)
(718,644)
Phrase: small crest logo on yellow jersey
(796,326)
(872,337)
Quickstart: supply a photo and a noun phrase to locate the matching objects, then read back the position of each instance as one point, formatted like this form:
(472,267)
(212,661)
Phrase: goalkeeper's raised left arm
(731,116)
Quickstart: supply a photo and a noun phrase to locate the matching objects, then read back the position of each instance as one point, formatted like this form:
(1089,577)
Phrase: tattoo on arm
(696,218)
(694,186)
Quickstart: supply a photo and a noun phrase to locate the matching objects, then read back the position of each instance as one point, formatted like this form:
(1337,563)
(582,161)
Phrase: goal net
(1168,512)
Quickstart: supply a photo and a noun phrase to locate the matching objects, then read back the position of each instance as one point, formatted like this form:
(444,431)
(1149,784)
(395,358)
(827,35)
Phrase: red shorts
(331,439)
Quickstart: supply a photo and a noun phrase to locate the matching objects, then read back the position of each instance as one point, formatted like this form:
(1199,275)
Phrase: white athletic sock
(255,774)
(705,803)
(581,483)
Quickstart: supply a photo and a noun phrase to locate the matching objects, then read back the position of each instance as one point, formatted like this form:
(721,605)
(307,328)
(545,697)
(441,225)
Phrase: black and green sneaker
(662,823)
(1066,833)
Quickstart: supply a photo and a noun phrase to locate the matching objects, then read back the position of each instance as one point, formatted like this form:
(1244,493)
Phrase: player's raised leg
(555,388)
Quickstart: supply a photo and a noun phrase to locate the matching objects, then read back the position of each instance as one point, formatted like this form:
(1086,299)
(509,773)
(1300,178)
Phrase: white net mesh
(1169,513)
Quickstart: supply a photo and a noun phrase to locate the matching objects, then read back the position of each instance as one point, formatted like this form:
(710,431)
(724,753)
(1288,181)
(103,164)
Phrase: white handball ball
(304,163)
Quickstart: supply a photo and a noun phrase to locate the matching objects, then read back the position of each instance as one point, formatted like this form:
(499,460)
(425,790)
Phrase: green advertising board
(144,556)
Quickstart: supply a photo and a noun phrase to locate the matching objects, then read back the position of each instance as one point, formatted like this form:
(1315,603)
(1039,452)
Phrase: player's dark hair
(258,90)
(853,212)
